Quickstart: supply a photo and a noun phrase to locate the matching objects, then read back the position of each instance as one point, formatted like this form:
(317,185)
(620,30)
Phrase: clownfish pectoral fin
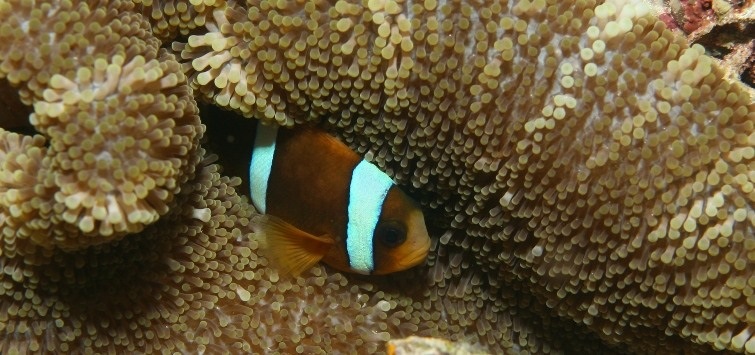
(290,249)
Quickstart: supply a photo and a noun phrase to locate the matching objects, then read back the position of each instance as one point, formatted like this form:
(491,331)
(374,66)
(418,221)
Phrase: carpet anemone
(586,174)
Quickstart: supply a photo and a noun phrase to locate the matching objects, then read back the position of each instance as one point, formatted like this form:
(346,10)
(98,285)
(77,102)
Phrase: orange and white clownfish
(321,201)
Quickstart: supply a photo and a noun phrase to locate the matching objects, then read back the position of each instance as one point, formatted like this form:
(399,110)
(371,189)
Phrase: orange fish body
(322,202)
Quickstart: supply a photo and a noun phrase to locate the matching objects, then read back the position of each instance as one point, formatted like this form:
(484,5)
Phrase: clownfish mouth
(418,255)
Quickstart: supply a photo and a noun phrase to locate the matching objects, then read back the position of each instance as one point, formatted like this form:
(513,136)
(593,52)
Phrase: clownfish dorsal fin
(290,249)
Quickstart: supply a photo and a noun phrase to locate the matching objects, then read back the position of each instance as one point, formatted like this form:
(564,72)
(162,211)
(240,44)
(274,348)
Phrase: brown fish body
(309,202)
(316,206)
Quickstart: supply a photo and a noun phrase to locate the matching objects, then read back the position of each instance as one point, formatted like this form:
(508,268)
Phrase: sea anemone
(581,150)
(118,125)
(587,179)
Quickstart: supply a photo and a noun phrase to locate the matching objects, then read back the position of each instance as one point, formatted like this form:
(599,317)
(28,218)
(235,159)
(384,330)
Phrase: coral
(587,178)
(696,13)
(723,27)
(429,346)
(698,17)
(118,124)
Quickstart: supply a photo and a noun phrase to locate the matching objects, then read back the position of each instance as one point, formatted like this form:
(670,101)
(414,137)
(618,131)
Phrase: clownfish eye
(391,235)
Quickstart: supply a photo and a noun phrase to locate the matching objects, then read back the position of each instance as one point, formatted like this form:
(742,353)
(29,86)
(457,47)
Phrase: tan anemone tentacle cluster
(118,123)
(47,38)
(21,159)
(593,174)
(580,150)
(160,290)
(193,282)
(253,58)
(170,18)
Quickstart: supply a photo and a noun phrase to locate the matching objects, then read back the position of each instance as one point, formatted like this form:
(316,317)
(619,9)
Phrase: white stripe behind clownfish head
(262,164)
(367,191)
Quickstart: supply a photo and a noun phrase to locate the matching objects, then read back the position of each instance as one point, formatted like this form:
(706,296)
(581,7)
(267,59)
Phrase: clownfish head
(400,240)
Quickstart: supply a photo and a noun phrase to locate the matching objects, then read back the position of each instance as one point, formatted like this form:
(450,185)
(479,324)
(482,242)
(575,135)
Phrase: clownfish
(321,202)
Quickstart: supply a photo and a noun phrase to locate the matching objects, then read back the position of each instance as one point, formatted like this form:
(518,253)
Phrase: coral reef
(587,177)
(723,27)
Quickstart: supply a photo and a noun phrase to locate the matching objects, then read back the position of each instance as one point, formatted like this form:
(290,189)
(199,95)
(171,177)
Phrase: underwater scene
(377,177)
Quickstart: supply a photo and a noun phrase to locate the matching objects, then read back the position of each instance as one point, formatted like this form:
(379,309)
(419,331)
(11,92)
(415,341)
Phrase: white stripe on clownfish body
(262,164)
(367,191)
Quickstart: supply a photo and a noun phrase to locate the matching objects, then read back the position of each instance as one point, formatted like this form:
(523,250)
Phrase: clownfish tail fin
(290,249)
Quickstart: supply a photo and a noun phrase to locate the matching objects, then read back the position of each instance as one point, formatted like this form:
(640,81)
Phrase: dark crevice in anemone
(231,137)
(120,278)
(15,115)
(748,75)
(726,40)
(25,130)
(181,38)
